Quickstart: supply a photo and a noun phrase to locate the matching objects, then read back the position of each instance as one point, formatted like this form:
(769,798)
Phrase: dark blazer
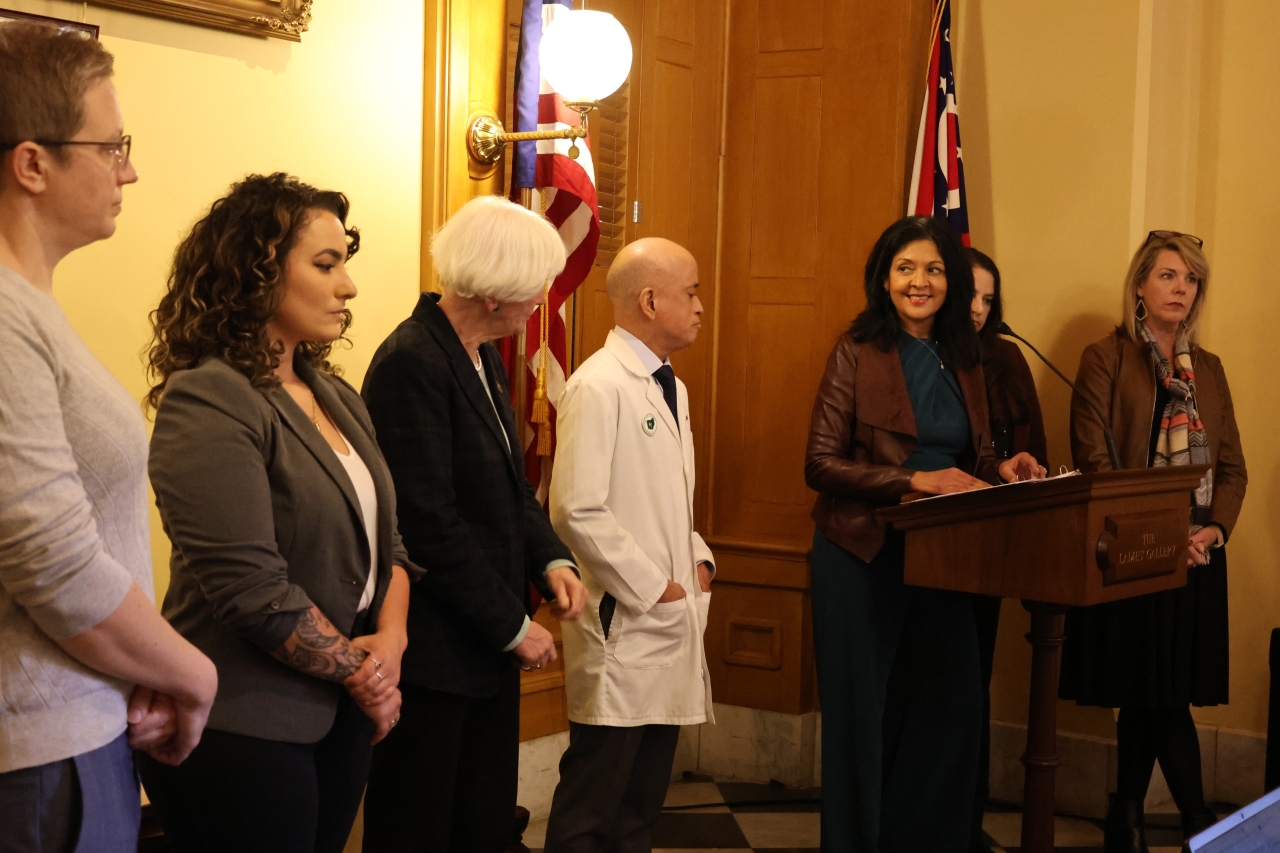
(466,510)
(1011,391)
(265,523)
(862,429)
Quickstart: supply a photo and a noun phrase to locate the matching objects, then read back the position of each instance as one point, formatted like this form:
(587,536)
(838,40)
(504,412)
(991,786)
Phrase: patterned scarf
(1182,440)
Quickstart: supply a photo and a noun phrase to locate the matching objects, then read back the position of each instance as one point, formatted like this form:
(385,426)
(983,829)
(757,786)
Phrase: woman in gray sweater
(83,652)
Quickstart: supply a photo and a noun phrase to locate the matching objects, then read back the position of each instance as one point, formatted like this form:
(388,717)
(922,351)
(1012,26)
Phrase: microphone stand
(1106,430)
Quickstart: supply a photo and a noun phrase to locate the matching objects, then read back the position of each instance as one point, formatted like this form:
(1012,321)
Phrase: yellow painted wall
(1084,126)
(342,110)
(1241,221)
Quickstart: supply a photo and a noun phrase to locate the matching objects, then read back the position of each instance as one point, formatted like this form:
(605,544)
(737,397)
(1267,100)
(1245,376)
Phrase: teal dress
(942,421)
(898,668)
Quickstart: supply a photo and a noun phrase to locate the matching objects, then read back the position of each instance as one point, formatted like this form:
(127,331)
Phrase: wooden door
(676,95)
(822,99)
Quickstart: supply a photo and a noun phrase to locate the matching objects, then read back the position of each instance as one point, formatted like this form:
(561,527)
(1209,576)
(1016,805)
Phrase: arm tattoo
(317,648)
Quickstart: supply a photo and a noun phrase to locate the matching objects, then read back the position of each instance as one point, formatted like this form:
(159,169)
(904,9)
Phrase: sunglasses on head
(1168,235)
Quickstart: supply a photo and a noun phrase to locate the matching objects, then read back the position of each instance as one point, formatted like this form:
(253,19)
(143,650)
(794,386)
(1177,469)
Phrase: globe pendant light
(585,55)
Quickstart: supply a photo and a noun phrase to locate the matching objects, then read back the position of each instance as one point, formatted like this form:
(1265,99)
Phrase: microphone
(1106,430)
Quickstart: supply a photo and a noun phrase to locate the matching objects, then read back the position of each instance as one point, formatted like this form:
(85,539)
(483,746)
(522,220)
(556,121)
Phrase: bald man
(622,499)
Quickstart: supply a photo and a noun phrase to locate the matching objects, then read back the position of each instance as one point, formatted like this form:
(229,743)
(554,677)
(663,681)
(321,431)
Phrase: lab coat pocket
(653,639)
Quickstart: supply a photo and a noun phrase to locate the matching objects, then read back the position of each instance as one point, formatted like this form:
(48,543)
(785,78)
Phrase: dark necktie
(667,379)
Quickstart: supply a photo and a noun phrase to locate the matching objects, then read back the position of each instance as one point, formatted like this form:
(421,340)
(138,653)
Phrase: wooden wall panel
(667,151)
(784,177)
(677,20)
(788,25)
(758,641)
(781,334)
(820,101)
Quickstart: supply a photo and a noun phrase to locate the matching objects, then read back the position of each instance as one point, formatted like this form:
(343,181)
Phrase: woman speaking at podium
(902,407)
(1153,656)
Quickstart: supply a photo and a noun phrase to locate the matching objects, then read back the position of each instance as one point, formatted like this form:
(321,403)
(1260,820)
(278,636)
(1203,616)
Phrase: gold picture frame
(282,19)
(87,30)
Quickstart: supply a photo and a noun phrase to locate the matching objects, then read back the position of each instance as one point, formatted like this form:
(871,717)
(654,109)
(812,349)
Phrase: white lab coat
(622,499)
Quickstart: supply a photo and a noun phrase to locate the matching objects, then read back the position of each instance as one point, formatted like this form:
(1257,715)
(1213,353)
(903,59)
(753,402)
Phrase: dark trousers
(986,618)
(248,794)
(88,804)
(444,780)
(899,681)
(613,781)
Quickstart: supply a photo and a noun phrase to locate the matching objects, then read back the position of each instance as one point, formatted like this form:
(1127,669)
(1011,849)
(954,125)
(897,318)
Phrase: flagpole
(933,35)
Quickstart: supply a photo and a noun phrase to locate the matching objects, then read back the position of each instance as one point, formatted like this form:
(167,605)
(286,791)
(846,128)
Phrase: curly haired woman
(287,568)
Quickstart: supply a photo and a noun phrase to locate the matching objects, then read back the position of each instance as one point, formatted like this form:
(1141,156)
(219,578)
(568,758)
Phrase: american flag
(937,176)
(569,201)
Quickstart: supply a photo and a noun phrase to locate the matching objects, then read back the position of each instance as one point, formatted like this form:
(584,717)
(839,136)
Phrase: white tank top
(368,497)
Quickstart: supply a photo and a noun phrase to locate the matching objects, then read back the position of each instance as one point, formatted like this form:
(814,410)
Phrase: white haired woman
(445,779)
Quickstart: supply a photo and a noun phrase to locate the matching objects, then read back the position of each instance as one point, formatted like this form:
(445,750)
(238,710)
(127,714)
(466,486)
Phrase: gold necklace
(315,417)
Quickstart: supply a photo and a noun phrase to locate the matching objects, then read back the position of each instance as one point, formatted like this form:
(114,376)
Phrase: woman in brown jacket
(902,408)
(1153,656)
(1016,427)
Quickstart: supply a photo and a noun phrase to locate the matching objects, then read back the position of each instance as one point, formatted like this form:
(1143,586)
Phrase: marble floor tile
(780,829)
(795,827)
(677,830)
(694,793)
(1005,829)
(755,797)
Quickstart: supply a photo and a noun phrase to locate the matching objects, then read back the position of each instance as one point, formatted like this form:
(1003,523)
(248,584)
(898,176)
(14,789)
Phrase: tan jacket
(863,428)
(622,499)
(1116,374)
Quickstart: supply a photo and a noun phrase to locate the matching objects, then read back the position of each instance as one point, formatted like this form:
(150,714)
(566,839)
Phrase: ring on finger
(377,664)
(378,674)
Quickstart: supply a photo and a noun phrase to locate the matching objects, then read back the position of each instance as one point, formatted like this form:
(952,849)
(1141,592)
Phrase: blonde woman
(1154,656)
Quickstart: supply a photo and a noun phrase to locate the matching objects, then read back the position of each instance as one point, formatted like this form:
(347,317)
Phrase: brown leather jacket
(1116,374)
(1018,390)
(862,430)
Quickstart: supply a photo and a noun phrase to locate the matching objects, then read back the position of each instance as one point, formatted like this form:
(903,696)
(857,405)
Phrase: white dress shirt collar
(650,361)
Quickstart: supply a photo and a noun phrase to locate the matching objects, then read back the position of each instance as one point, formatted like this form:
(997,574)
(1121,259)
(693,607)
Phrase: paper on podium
(920,496)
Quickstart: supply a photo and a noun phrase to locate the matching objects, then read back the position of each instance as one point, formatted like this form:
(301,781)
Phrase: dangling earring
(1140,311)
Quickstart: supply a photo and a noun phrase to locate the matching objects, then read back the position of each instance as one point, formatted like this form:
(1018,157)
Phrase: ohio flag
(937,175)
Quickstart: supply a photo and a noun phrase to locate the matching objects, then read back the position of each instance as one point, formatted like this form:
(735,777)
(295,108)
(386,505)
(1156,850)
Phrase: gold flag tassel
(541,414)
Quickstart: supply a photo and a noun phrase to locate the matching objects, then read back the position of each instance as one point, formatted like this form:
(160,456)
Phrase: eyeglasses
(119,148)
(1168,235)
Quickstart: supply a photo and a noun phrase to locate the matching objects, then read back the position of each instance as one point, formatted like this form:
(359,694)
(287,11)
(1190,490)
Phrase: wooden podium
(1067,542)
